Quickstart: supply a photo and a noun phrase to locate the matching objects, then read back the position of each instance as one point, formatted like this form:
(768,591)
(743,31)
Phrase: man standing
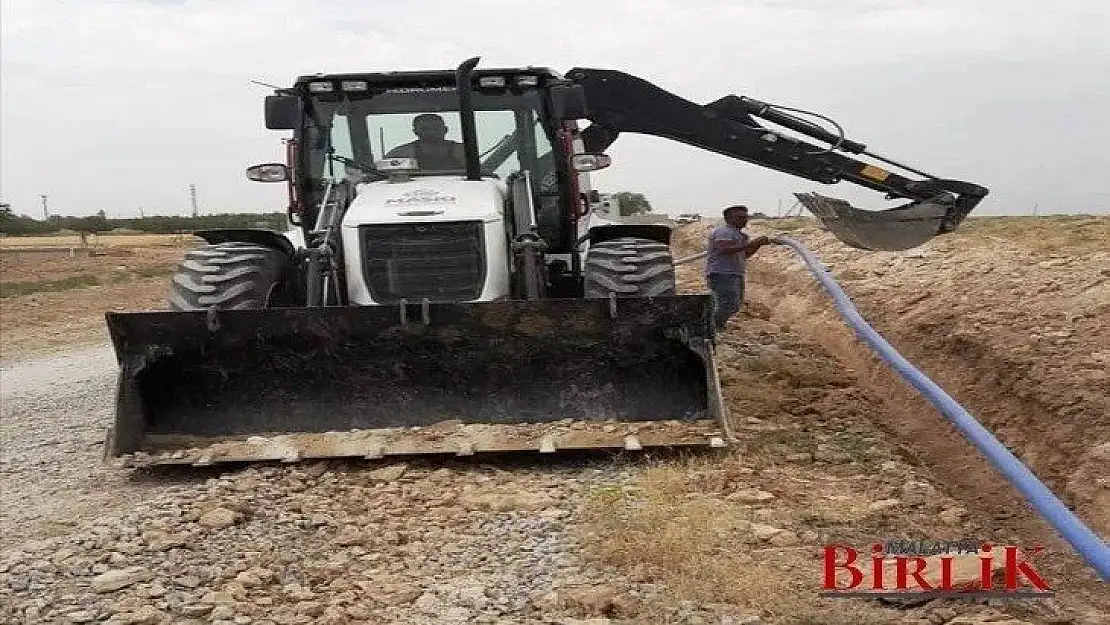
(725,261)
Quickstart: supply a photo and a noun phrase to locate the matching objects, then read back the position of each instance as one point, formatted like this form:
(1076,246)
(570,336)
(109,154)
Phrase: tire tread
(230,276)
(629,267)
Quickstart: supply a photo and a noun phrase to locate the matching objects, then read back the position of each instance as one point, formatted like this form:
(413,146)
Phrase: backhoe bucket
(298,383)
(894,229)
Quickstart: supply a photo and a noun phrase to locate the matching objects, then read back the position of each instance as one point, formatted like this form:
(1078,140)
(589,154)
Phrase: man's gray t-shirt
(717,262)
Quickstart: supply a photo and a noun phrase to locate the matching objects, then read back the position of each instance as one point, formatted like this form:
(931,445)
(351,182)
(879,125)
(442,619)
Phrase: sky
(121,105)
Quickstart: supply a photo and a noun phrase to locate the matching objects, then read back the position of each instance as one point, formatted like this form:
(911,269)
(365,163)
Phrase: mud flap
(298,383)
(894,229)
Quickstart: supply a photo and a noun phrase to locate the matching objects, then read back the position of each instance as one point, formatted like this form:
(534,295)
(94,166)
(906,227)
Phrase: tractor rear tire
(232,275)
(629,267)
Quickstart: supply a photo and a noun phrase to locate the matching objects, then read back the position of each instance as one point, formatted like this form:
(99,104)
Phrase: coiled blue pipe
(1085,542)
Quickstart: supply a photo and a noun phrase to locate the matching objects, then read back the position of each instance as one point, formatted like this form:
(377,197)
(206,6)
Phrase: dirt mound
(1009,316)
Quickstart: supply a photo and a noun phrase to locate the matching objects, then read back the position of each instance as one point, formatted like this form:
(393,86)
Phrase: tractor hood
(427,199)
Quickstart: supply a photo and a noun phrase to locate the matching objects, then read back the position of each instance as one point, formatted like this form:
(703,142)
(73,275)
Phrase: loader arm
(618,102)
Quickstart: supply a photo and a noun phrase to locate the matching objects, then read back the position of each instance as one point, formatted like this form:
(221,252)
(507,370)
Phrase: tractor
(439,295)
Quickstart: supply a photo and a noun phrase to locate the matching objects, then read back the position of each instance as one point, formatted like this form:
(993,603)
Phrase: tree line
(632,203)
(12,224)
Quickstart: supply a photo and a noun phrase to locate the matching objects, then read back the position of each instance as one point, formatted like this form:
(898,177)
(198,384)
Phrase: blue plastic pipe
(1085,542)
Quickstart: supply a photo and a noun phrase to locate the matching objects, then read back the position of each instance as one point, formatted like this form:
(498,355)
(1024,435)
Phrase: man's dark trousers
(728,296)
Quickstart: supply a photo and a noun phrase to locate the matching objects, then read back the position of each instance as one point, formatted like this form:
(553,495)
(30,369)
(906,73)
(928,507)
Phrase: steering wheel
(359,165)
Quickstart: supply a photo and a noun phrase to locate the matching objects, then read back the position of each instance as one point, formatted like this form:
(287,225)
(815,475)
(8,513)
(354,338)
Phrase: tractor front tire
(232,275)
(629,267)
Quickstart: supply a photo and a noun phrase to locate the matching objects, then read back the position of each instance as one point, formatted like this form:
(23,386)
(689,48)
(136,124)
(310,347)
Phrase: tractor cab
(365,129)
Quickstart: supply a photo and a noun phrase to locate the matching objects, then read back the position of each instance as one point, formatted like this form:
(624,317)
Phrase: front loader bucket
(298,383)
(894,229)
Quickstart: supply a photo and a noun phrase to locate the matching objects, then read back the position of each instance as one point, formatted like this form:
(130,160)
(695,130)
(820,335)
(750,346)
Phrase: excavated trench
(985,344)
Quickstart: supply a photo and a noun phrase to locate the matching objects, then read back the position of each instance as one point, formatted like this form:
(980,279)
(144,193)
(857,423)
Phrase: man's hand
(755,244)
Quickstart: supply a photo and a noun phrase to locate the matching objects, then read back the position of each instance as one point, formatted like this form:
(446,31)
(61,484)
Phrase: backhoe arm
(618,102)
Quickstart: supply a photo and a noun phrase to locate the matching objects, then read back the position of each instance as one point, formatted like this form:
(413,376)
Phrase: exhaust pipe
(463,82)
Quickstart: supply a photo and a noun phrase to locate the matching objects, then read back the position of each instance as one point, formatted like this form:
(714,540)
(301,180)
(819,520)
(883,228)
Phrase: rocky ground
(322,544)
(829,451)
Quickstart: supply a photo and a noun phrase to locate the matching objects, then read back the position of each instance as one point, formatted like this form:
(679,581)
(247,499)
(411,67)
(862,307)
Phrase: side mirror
(590,162)
(283,112)
(268,172)
(568,101)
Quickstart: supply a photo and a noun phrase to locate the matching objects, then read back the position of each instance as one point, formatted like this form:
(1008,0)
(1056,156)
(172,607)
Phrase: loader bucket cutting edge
(888,230)
(298,383)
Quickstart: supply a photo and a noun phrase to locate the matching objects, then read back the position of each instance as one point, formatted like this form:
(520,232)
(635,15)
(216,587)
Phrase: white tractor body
(442,238)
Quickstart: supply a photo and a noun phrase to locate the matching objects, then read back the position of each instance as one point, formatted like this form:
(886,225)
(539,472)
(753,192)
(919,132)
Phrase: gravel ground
(322,543)
(330,542)
(53,415)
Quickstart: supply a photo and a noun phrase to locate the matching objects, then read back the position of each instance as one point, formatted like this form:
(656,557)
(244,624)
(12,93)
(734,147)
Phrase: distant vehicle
(686,218)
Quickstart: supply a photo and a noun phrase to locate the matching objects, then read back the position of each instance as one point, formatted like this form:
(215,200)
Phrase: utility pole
(193,198)
(45,212)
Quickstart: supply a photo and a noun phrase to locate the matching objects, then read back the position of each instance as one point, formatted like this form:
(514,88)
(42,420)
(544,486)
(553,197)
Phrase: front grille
(439,261)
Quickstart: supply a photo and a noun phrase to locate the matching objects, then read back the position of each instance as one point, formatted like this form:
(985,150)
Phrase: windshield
(423,123)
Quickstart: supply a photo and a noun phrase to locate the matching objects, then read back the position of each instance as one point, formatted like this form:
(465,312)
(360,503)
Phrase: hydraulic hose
(1085,542)
(691,258)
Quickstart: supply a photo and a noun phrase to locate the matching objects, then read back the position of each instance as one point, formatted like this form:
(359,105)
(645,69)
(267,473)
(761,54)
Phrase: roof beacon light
(491,81)
(320,87)
(354,85)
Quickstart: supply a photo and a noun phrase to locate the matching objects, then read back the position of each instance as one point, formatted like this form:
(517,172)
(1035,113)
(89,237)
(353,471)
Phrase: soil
(1009,317)
(18,265)
(54,296)
(1012,323)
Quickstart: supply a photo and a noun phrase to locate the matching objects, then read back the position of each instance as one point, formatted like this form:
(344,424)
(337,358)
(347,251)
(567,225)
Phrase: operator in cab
(432,151)
(726,261)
